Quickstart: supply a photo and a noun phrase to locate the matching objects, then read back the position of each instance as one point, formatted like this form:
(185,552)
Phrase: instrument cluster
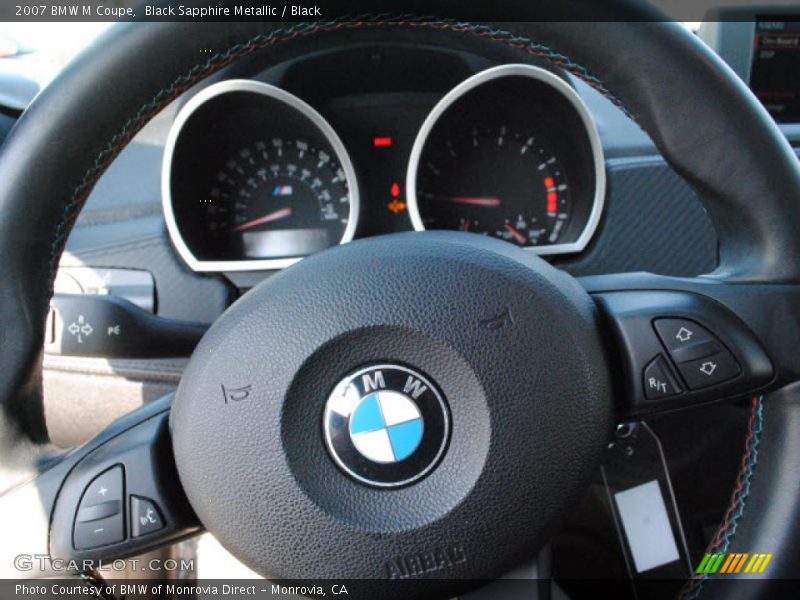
(256,178)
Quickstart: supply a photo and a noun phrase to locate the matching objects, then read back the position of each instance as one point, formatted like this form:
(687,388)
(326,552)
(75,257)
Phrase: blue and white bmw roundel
(386,425)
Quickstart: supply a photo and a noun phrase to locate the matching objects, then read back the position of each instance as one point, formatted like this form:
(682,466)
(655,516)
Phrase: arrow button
(687,340)
(711,370)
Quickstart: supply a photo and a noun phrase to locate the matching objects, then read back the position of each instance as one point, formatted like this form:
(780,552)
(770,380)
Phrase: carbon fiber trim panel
(654,222)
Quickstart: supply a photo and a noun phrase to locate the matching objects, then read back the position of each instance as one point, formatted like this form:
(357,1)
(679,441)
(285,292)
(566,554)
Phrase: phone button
(145,516)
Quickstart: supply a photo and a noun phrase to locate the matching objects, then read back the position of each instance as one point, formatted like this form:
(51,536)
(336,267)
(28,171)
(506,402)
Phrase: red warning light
(549,182)
(396,205)
(382,142)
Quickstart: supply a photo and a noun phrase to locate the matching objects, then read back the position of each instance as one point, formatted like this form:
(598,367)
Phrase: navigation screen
(775,76)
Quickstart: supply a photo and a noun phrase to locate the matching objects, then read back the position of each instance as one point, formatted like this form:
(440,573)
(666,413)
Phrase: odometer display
(494,181)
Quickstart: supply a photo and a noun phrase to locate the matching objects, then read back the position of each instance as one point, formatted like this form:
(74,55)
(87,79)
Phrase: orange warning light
(396,206)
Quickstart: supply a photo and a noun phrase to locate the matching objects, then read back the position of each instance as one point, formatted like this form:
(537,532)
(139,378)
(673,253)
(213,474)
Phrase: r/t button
(659,382)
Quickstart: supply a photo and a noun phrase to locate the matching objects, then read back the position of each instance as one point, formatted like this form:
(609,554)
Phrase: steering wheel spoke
(680,343)
(117,496)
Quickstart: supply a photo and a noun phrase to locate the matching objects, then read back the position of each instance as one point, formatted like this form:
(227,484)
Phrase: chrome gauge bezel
(569,93)
(264,89)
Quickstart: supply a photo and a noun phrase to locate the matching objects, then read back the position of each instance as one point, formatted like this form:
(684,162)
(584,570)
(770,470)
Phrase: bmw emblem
(386,425)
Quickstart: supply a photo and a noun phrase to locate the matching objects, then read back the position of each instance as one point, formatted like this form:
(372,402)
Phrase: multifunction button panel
(100,520)
(119,495)
(701,359)
(681,348)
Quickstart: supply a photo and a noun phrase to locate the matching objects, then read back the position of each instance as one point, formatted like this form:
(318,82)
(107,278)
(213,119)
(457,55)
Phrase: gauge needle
(476,201)
(273,216)
(520,238)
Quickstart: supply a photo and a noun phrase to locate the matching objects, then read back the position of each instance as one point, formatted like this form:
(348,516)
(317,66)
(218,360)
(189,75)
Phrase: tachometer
(496,181)
(512,152)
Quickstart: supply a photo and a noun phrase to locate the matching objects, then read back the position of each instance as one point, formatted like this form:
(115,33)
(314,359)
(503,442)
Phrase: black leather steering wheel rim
(89,112)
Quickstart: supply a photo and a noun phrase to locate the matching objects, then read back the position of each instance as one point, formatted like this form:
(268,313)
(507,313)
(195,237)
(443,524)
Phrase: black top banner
(468,10)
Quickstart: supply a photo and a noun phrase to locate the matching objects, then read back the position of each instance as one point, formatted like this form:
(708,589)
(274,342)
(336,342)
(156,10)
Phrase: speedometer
(255,178)
(511,152)
(279,198)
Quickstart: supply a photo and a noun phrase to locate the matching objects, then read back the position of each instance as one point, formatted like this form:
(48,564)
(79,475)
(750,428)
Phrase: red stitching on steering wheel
(727,529)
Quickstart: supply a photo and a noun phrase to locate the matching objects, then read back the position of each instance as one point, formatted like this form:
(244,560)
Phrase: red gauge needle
(520,238)
(475,201)
(273,216)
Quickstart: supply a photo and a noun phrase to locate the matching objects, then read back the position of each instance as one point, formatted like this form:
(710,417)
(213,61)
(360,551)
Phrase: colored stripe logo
(283,190)
(733,562)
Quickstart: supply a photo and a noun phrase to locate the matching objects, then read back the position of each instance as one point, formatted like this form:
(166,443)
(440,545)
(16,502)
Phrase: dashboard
(383,113)
(254,177)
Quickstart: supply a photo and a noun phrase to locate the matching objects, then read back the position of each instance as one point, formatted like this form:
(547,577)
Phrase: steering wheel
(523,368)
